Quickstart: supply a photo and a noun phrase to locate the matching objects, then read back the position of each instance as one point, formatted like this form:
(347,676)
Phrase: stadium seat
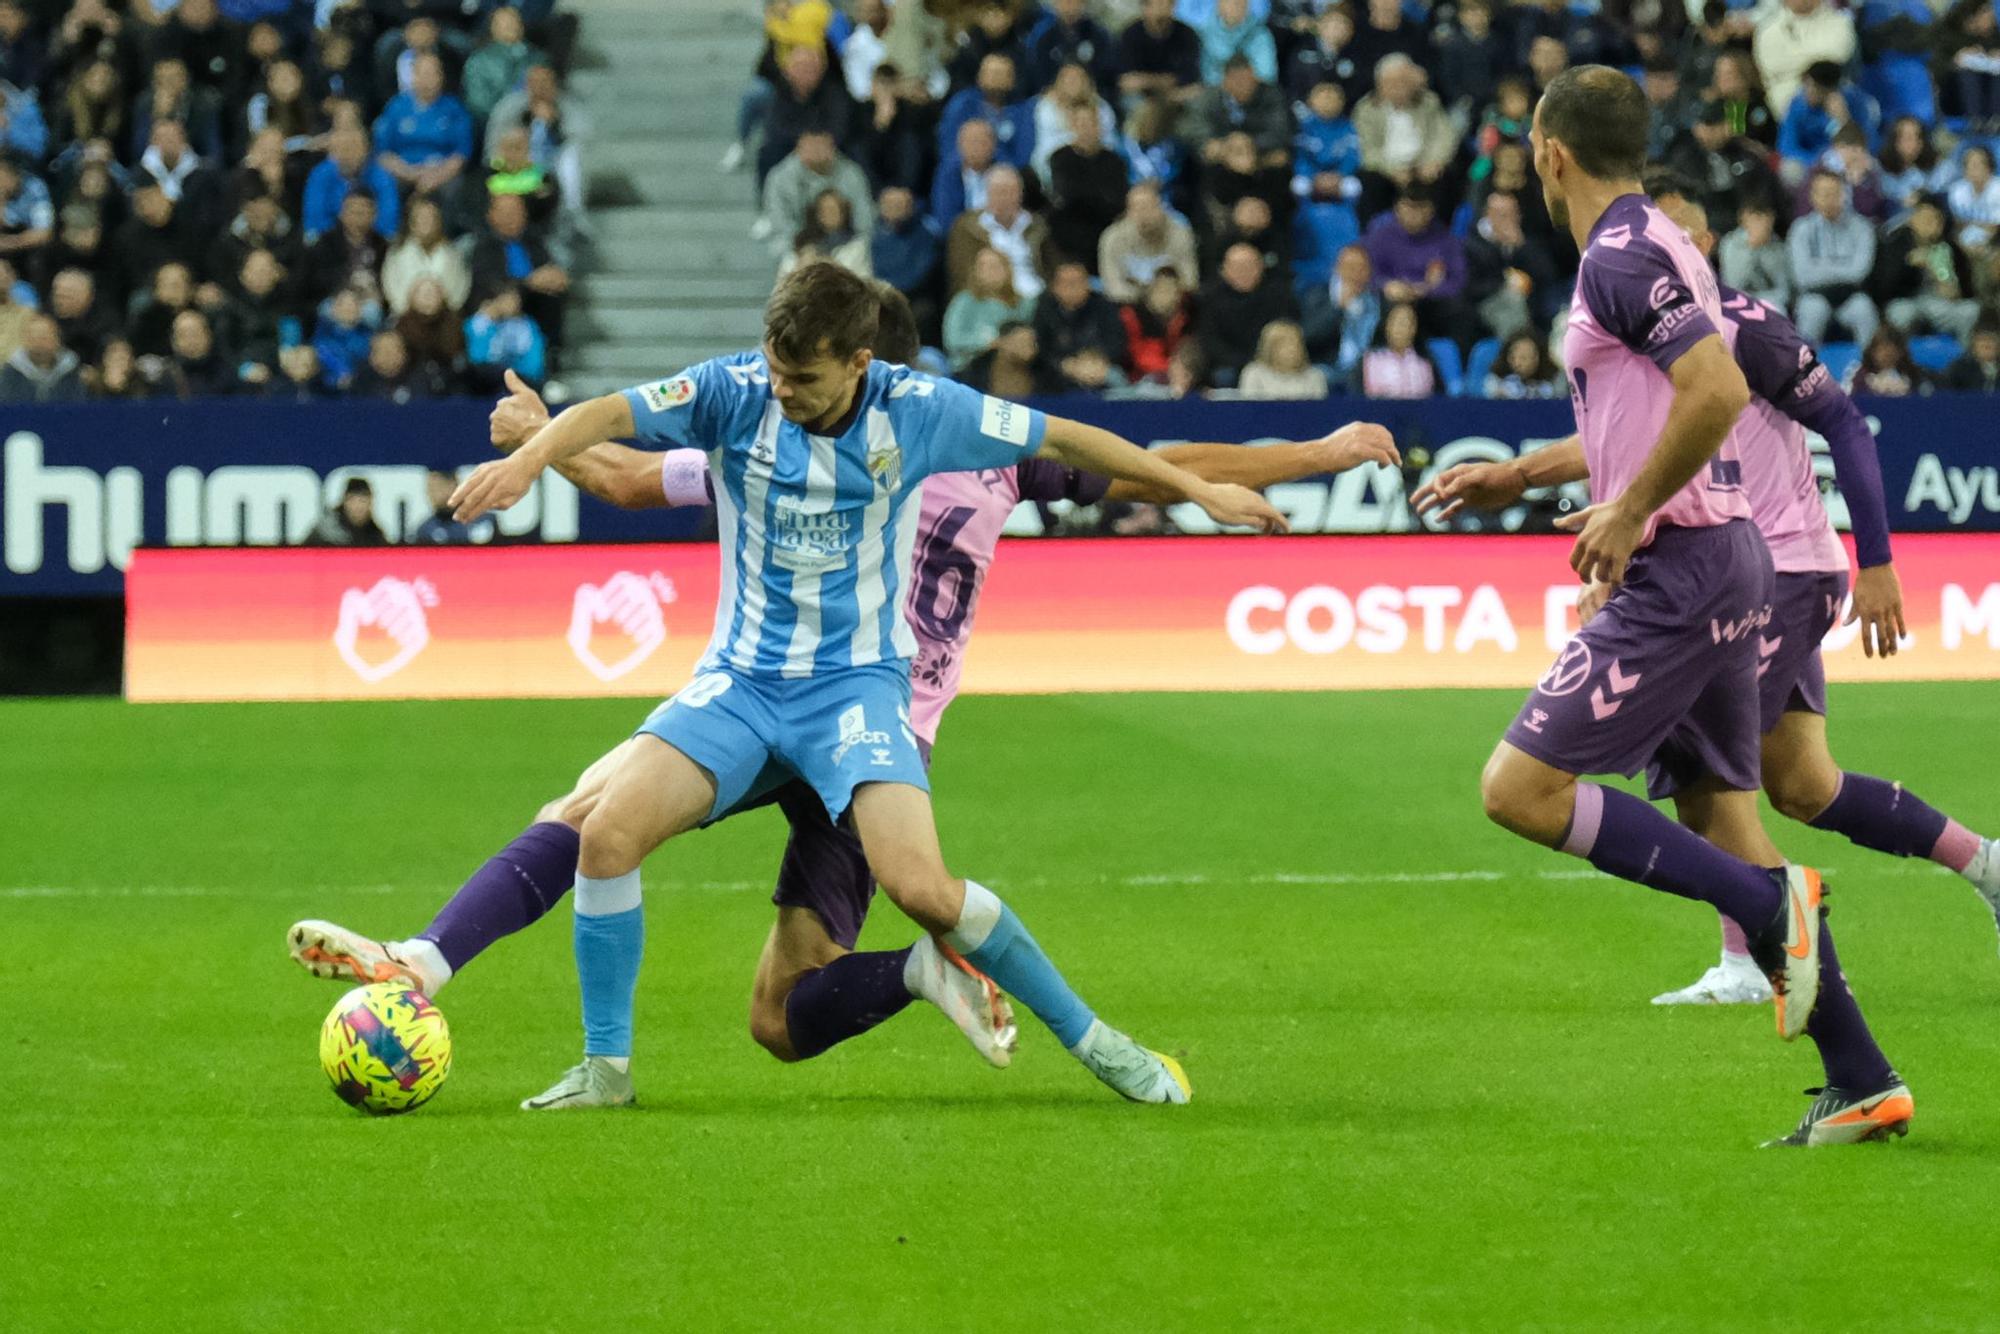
(1839,359)
(1902,84)
(1479,362)
(1451,370)
(1934,352)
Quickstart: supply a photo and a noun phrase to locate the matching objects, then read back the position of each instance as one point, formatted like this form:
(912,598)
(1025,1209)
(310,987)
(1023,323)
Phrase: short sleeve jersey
(1644,296)
(818,531)
(1787,385)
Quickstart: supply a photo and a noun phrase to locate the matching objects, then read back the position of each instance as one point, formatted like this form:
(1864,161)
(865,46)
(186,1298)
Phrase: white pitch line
(1183,880)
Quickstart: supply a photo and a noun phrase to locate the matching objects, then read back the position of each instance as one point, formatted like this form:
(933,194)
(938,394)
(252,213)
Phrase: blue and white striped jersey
(817,531)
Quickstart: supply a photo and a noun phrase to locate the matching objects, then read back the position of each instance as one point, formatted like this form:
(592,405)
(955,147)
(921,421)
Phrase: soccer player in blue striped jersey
(816,456)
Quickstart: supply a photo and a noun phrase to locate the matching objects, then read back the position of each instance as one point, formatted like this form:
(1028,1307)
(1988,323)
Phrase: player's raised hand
(1878,606)
(516,417)
(1355,444)
(1240,507)
(1483,486)
(1607,535)
(492,486)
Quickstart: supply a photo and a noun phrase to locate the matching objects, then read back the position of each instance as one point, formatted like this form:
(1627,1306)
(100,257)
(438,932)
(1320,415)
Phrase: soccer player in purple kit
(806,979)
(1672,655)
(1792,392)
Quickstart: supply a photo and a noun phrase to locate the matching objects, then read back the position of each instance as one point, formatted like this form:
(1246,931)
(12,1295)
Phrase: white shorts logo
(1567,672)
(1003,421)
(854,731)
(628,603)
(396,608)
(674,393)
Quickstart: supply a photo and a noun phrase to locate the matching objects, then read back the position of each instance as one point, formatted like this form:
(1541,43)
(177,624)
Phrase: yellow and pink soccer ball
(386,1048)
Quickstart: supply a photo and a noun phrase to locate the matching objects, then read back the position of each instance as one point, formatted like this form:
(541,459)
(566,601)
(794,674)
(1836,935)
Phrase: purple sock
(1846,1048)
(1629,838)
(511,891)
(845,999)
(1888,818)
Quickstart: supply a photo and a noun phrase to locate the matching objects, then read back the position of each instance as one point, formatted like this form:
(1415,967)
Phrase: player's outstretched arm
(1878,593)
(1093,449)
(502,482)
(1267,465)
(616,474)
(1709,394)
(1492,486)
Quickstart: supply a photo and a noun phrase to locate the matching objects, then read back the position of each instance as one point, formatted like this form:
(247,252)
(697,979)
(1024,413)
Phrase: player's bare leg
(510,892)
(653,793)
(899,833)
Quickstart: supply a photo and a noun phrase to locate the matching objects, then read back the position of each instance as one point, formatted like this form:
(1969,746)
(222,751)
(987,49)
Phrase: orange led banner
(1303,613)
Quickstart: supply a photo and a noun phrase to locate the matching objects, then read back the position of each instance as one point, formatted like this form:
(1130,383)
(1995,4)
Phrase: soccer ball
(386,1048)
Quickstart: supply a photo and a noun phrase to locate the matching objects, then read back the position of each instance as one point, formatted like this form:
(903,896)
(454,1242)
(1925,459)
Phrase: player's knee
(769,1030)
(926,893)
(1801,792)
(1519,807)
(605,849)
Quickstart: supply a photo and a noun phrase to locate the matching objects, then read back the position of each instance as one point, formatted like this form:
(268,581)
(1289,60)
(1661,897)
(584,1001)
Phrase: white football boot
(326,950)
(1134,1071)
(967,996)
(1788,950)
(595,1083)
(1735,981)
(1984,873)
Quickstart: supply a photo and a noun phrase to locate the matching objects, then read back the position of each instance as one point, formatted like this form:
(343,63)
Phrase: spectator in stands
(1978,371)
(1243,104)
(980,308)
(1154,153)
(1014,366)
(1672,104)
(1974,197)
(829,234)
(1066,34)
(168,161)
(1908,161)
(814,166)
(1072,92)
(905,251)
(1747,107)
(41,369)
(1850,159)
(197,368)
(961,176)
(23,54)
(1405,134)
(93,106)
(994,99)
(1155,326)
(423,137)
(259,224)
(1079,330)
(990,27)
(512,170)
(1158,55)
(1086,188)
(508,255)
(1793,37)
(1340,317)
(1020,236)
(425,252)
(251,321)
(806,98)
(1238,176)
(1326,162)
(1922,279)
(863,51)
(297,380)
(1396,367)
(556,128)
(1833,253)
(494,69)
(14,312)
(1505,121)
(153,316)
(1230,33)
(1234,308)
(1823,105)
(341,339)
(1471,57)
(27,215)
(1754,260)
(1886,368)
(1418,262)
(1386,30)
(1547,57)
(348,167)
(1141,243)
(1329,55)
(432,333)
(892,143)
(390,375)
(283,104)
(84,322)
(1729,169)
(352,251)
(1967,62)
(1524,370)
(1509,280)
(339,73)
(1280,369)
(351,523)
(442,529)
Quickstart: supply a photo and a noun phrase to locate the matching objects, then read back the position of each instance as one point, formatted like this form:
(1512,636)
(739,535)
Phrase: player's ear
(860,360)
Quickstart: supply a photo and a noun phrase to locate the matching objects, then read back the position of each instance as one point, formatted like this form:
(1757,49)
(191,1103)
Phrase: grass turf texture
(1419,1101)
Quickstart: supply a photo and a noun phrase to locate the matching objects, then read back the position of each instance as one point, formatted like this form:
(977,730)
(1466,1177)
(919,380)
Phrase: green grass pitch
(1430,1092)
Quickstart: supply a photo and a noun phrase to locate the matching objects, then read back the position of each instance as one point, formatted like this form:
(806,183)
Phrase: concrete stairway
(672,276)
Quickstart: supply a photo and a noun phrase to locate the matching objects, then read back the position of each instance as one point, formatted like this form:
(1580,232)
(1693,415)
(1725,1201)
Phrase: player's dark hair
(896,336)
(821,309)
(1601,117)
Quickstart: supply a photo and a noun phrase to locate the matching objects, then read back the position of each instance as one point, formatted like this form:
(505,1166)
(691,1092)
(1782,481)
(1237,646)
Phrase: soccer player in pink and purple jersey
(1673,653)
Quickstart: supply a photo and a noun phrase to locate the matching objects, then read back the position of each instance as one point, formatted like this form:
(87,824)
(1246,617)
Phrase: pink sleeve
(684,477)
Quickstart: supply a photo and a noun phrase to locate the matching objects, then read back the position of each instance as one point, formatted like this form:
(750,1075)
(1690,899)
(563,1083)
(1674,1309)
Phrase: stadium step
(691,287)
(662,321)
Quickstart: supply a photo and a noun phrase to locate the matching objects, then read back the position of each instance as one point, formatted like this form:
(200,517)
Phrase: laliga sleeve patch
(1001,420)
(673,393)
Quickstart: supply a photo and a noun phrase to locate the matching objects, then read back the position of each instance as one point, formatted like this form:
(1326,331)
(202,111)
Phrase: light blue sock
(610,939)
(994,941)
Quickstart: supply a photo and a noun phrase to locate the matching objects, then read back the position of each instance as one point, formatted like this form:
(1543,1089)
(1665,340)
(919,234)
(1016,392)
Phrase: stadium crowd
(1291,198)
(283,198)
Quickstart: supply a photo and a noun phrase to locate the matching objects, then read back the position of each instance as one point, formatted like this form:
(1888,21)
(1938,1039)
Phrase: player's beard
(1558,208)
